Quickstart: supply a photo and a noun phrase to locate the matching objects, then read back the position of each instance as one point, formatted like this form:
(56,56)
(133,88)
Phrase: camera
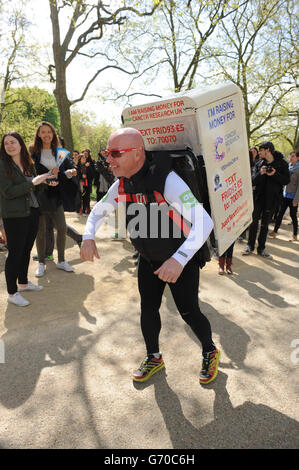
(269,169)
(51,180)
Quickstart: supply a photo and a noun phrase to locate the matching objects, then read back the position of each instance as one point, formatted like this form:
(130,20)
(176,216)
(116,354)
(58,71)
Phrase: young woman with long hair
(43,152)
(19,209)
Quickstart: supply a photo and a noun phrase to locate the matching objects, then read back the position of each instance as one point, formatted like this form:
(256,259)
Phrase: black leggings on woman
(86,200)
(20,233)
(287,202)
(185,295)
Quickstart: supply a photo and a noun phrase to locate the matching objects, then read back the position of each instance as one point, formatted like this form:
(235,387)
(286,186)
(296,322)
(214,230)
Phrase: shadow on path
(248,426)
(250,279)
(31,343)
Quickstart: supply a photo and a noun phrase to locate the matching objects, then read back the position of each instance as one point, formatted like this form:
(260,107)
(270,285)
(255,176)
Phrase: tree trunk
(64,109)
(60,92)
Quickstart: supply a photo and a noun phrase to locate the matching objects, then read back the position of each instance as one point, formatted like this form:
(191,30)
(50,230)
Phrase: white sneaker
(40,270)
(65,266)
(30,286)
(18,300)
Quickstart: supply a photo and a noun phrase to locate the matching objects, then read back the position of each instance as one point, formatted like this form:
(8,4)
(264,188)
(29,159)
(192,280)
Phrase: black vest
(156,230)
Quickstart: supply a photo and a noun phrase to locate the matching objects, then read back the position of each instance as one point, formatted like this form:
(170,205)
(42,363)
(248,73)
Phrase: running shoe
(247,251)
(30,286)
(40,271)
(149,366)
(209,370)
(264,254)
(65,266)
(18,300)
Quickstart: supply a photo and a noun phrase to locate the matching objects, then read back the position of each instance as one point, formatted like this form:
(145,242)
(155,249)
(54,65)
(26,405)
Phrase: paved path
(66,380)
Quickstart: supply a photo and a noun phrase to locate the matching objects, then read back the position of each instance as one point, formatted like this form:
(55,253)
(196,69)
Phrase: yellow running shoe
(149,366)
(209,370)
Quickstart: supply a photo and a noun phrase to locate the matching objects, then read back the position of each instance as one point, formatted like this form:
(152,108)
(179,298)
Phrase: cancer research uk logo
(218,156)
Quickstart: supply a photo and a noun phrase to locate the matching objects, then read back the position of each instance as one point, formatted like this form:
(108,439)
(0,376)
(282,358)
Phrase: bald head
(128,137)
(131,161)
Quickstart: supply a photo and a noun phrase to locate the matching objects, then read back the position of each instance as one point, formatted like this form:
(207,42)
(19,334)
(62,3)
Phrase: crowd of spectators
(275,185)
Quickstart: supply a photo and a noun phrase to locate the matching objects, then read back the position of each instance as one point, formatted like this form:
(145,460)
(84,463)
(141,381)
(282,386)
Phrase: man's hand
(263,170)
(89,250)
(170,270)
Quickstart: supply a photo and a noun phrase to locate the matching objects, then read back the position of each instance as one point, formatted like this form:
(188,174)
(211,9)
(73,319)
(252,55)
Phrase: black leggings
(185,295)
(86,199)
(21,233)
(286,202)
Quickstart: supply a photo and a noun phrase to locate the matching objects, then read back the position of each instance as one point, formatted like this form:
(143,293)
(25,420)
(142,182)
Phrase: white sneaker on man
(30,286)
(18,300)
(40,271)
(65,266)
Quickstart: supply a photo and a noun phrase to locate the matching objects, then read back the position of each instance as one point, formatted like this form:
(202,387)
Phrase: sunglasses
(118,153)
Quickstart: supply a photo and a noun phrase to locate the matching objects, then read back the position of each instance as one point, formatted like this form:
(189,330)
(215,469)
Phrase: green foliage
(86,134)
(24,108)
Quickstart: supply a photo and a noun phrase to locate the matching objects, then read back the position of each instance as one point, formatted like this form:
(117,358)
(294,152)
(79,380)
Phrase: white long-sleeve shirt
(179,196)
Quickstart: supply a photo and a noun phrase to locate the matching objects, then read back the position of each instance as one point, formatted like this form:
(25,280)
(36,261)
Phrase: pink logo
(219,156)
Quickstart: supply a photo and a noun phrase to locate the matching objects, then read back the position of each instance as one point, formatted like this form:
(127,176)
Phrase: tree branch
(95,76)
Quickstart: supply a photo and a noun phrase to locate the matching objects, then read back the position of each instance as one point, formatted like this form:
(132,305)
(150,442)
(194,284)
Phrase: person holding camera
(104,177)
(269,174)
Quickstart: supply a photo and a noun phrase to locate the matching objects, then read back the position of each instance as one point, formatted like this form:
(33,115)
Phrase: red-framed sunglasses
(118,152)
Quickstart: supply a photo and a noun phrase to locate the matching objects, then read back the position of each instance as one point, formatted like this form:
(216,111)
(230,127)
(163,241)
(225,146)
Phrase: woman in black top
(19,208)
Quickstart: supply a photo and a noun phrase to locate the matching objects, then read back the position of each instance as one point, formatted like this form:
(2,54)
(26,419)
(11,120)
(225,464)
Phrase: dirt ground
(66,358)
